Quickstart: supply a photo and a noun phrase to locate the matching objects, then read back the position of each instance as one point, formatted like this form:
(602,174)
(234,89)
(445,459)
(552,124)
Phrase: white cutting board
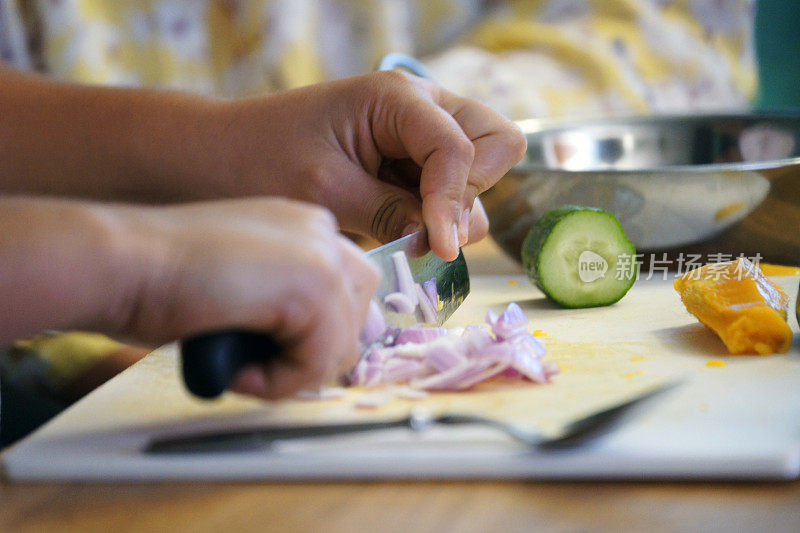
(738,421)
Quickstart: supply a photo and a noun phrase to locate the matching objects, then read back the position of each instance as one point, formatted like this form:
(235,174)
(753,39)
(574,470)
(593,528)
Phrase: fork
(418,419)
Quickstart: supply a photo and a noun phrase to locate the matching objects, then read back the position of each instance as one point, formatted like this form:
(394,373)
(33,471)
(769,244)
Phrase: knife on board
(210,361)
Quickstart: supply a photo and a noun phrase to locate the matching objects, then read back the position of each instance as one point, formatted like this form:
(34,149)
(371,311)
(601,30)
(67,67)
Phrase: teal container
(777,36)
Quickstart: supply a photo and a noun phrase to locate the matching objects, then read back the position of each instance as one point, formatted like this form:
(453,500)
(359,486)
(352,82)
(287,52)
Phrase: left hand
(386,152)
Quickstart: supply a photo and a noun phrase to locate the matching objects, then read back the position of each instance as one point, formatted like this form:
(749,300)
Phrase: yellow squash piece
(741,305)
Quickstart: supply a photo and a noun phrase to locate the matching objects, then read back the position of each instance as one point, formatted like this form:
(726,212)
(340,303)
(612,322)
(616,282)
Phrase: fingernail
(454,240)
(463,228)
(411,228)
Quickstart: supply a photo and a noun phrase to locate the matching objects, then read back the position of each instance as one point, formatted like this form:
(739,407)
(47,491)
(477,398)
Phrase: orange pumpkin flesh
(741,305)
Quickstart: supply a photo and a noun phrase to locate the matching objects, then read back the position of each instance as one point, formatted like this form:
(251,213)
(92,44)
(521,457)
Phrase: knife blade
(210,361)
(452,278)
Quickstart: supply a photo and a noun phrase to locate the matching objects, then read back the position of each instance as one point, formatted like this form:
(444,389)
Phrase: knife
(210,361)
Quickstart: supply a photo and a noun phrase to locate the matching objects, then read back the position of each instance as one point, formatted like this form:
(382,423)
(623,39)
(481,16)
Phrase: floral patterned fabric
(525,57)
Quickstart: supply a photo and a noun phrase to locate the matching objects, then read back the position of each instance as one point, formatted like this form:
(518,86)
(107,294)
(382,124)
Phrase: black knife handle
(211,361)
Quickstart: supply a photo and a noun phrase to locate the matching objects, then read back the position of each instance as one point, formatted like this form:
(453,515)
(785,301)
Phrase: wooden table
(404,506)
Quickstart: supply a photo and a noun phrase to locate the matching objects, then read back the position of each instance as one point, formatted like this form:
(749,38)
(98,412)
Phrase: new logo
(591,266)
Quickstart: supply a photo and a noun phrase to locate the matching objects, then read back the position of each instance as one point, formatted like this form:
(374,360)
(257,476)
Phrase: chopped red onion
(377,354)
(550,369)
(476,338)
(367,373)
(322,393)
(375,399)
(457,358)
(442,356)
(419,335)
(463,376)
(374,326)
(512,322)
(399,370)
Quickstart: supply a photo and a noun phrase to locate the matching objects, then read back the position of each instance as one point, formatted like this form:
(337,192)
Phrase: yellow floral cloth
(581,57)
(526,58)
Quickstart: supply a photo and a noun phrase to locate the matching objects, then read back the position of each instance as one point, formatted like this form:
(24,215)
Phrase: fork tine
(603,421)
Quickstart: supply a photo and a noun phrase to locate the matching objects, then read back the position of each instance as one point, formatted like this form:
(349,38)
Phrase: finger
(478,222)
(311,358)
(499,143)
(431,137)
(361,278)
(330,345)
(318,320)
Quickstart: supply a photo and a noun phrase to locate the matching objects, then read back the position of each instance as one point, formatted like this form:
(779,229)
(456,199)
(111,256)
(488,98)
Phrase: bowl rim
(556,124)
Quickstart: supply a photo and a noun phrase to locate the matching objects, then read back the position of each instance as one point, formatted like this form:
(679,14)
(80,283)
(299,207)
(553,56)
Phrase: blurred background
(525,58)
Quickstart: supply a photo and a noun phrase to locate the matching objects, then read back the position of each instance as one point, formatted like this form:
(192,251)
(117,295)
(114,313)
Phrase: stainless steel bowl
(672,181)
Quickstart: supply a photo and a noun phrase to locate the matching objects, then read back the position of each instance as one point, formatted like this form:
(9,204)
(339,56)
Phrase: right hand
(268,265)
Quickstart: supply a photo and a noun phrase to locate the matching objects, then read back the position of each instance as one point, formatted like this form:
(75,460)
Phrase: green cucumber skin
(537,236)
(536,241)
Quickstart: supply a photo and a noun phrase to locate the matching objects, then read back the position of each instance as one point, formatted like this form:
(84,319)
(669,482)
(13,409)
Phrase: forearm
(108,143)
(63,264)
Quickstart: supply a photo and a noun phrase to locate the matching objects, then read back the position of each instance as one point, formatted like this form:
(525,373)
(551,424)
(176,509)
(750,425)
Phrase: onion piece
(405,281)
(373,400)
(443,357)
(399,302)
(463,376)
(419,335)
(374,325)
(399,370)
(431,292)
(322,393)
(366,373)
(512,322)
(476,338)
(429,312)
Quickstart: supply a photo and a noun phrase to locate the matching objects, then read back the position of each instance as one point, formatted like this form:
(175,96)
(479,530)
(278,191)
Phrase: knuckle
(405,84)
(517,142)
(317,270)
(395,78)
(471,192)
(327,269)
(461,148)
(319,182)
(320,221)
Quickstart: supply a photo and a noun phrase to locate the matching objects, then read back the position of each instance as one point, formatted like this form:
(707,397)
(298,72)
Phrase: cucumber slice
(579,257)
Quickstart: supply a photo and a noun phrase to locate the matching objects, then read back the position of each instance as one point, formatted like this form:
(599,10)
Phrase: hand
(386,152)
(262,264)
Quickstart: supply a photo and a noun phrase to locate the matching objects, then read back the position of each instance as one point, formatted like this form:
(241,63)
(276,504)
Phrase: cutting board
(731,417)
